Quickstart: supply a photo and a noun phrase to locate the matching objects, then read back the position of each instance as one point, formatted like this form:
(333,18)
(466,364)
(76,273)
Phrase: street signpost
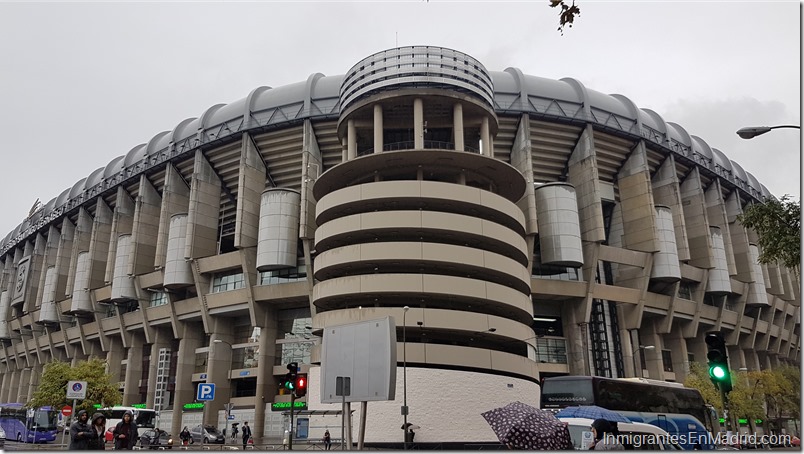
(343,388)
(67,410)
(76,389)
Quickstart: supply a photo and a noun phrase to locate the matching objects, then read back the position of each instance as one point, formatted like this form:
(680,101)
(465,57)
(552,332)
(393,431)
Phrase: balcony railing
(410,145)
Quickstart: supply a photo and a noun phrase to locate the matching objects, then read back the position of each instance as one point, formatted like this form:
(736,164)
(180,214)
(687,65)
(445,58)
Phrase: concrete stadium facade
(534,227)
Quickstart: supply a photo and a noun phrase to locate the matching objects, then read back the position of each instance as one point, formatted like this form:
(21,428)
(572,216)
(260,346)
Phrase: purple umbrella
(521,426)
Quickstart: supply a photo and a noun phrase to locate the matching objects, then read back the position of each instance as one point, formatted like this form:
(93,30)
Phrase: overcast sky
(83,83)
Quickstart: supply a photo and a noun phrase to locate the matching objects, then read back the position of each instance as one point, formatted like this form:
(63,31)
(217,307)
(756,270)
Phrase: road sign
(206,391)
(228,406)
(76,390)
(66,410)
(231,417)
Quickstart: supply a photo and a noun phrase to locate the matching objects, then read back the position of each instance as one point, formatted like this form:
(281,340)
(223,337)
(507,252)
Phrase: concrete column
(697,222)
(12,392)
(418,124)
(697,347)
(378,129)
(628,353)
(184,392)
(344,149)
(351,140)
(204,210)
(5,385)
(22,389)
(666,191)
(36,374)
(175,199)
(636,200)
(485,137)
(146,231)
(736,358)
(653,357)
(457,126)
(266,384)
(131,389)
(678,347)
(219,368)
(114,357)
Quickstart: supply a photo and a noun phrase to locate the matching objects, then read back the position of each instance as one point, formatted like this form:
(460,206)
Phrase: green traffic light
(717,372)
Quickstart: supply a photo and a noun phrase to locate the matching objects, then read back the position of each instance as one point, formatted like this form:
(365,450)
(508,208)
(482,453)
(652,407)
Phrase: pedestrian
(235,430)
(246,433)
(327,440)
(99,426)
(125,432)
(185,436)
(605,433)
(81,432)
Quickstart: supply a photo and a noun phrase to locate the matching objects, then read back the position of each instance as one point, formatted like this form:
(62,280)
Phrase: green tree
(567,15)
(52,389)
(698,378)
(778,225)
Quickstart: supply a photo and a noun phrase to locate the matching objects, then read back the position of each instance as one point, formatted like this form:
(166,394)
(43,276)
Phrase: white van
(642,437)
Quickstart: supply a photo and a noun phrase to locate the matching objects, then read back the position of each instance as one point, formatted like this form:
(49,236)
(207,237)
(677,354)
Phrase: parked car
(648,436)
(156,438)
(206,434)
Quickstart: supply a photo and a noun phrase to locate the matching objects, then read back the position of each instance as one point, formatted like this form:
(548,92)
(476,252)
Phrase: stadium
(514,227)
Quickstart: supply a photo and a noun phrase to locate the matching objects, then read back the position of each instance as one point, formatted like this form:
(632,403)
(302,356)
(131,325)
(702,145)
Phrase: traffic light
(300,387)
(289,382)
(718,361)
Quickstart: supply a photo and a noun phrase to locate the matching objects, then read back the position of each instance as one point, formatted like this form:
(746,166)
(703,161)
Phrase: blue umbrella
(591,412)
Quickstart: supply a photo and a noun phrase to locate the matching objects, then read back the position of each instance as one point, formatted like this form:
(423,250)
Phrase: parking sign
(206,391)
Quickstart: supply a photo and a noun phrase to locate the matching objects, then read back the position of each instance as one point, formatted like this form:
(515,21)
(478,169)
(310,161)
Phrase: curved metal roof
(319,96)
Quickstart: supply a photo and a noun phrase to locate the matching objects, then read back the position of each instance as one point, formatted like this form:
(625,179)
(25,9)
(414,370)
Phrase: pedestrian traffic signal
(300,387)
(718,361)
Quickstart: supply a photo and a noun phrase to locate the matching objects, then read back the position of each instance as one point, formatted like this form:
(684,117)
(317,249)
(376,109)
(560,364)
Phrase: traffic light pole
(290,432)
(724,397)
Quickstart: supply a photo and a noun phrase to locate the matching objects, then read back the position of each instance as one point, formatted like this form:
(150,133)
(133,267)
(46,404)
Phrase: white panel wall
(665,262)
(559,227)
(278,235)
(177,270)
(719,275)
(122,283)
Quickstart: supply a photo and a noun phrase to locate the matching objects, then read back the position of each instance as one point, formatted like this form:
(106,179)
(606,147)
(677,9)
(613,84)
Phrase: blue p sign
(206,391)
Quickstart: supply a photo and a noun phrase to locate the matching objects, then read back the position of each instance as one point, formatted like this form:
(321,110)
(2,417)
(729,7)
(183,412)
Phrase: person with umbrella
(520,426)
(605,433)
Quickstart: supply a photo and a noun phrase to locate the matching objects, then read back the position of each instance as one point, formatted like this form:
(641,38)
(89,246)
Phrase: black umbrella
(521,426)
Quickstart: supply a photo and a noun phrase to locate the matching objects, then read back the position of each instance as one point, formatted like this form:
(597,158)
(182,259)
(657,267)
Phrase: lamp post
(229,378)
(636,352)
(405,376)
(749,132)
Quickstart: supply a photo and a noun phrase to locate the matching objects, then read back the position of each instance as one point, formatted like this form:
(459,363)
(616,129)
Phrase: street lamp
(405,376)
(640,348)
(229,378)
(750,132)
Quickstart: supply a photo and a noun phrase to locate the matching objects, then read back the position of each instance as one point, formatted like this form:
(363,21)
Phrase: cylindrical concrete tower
(81,301)
(48,313)
(122,283)
(665,261)
(757,294)
(559,228)
(4,332)
(177,270)
(278,237)
(718,281)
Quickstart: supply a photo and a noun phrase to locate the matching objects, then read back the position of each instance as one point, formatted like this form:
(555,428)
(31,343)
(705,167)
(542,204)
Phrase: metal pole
(290,433)
(405,378)
(343,419)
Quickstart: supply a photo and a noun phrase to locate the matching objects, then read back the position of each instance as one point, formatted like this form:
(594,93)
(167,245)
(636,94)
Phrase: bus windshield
(143,417)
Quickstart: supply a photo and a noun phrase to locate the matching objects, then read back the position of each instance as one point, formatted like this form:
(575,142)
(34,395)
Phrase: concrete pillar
(628,353)
(114,357)
(351,140)
(583,176)
(134,366)
(204,210)
(694,204)
(184,392)
(418,124)
(12,392)
(36,375)
(146,231)
(653,356)
(678,348)
(457,126)
(5,385)
(736,357)
(219,369)
(636,200)
(22,389)
(485,137)
(697,347)
(175,199)
(344,149)
(378,129)
(666,192)
(266,384)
